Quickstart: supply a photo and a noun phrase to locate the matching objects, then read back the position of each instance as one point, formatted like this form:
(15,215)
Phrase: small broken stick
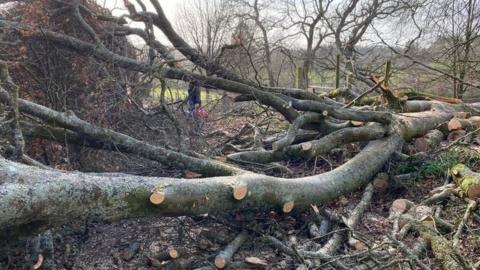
(225,256)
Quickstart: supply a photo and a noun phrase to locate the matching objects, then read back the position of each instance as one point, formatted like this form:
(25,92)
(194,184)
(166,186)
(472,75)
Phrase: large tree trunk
(33,198)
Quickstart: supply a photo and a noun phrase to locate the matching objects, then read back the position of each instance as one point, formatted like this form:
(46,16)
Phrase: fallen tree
(34,199)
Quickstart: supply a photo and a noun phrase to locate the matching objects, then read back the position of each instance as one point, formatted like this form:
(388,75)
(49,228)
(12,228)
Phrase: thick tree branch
(103,135)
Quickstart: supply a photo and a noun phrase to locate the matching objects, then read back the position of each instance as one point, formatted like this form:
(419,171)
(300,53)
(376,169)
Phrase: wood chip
(256,261)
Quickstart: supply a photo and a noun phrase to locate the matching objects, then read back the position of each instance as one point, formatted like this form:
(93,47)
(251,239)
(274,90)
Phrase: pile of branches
(97,91)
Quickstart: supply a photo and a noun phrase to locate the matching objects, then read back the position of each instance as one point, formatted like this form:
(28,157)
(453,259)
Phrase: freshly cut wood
(169,254)
(380,182)
(456,134)
(467,124)
(157,197)
(39,262)
(288,207)
(240,192)
(455,124)
(428,142)
(256,261)
(357,123)
(467,181)
(225,256)
(306,146)
(400,206)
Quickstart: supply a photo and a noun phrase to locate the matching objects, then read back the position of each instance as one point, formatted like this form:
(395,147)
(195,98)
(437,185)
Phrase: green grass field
(175,94)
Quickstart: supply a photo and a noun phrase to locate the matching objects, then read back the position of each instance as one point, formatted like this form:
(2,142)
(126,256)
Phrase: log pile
(463,128)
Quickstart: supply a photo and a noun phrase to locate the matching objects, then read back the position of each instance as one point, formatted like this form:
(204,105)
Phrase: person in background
(195,109)
(193,100)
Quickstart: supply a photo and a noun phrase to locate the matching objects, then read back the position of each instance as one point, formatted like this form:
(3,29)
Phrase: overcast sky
(170,8)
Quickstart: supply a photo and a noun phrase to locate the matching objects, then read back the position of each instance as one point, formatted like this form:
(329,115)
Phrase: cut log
(466,124)
(240,192)
(467,181)
(225,256)
(428,142)
(380,182)
(456,134)
(455,124)
(157,197)
(169,254)
(400,206)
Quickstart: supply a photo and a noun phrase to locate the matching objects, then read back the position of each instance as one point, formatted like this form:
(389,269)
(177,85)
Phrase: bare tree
(207,25)
(350,23)
(457,25)
(268,22)
(308,18)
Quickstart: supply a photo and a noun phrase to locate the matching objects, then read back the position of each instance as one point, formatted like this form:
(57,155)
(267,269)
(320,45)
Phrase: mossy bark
(467,181)
(443,250)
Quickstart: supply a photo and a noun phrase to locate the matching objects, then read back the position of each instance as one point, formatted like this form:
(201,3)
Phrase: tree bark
(33,198)
(428,142)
